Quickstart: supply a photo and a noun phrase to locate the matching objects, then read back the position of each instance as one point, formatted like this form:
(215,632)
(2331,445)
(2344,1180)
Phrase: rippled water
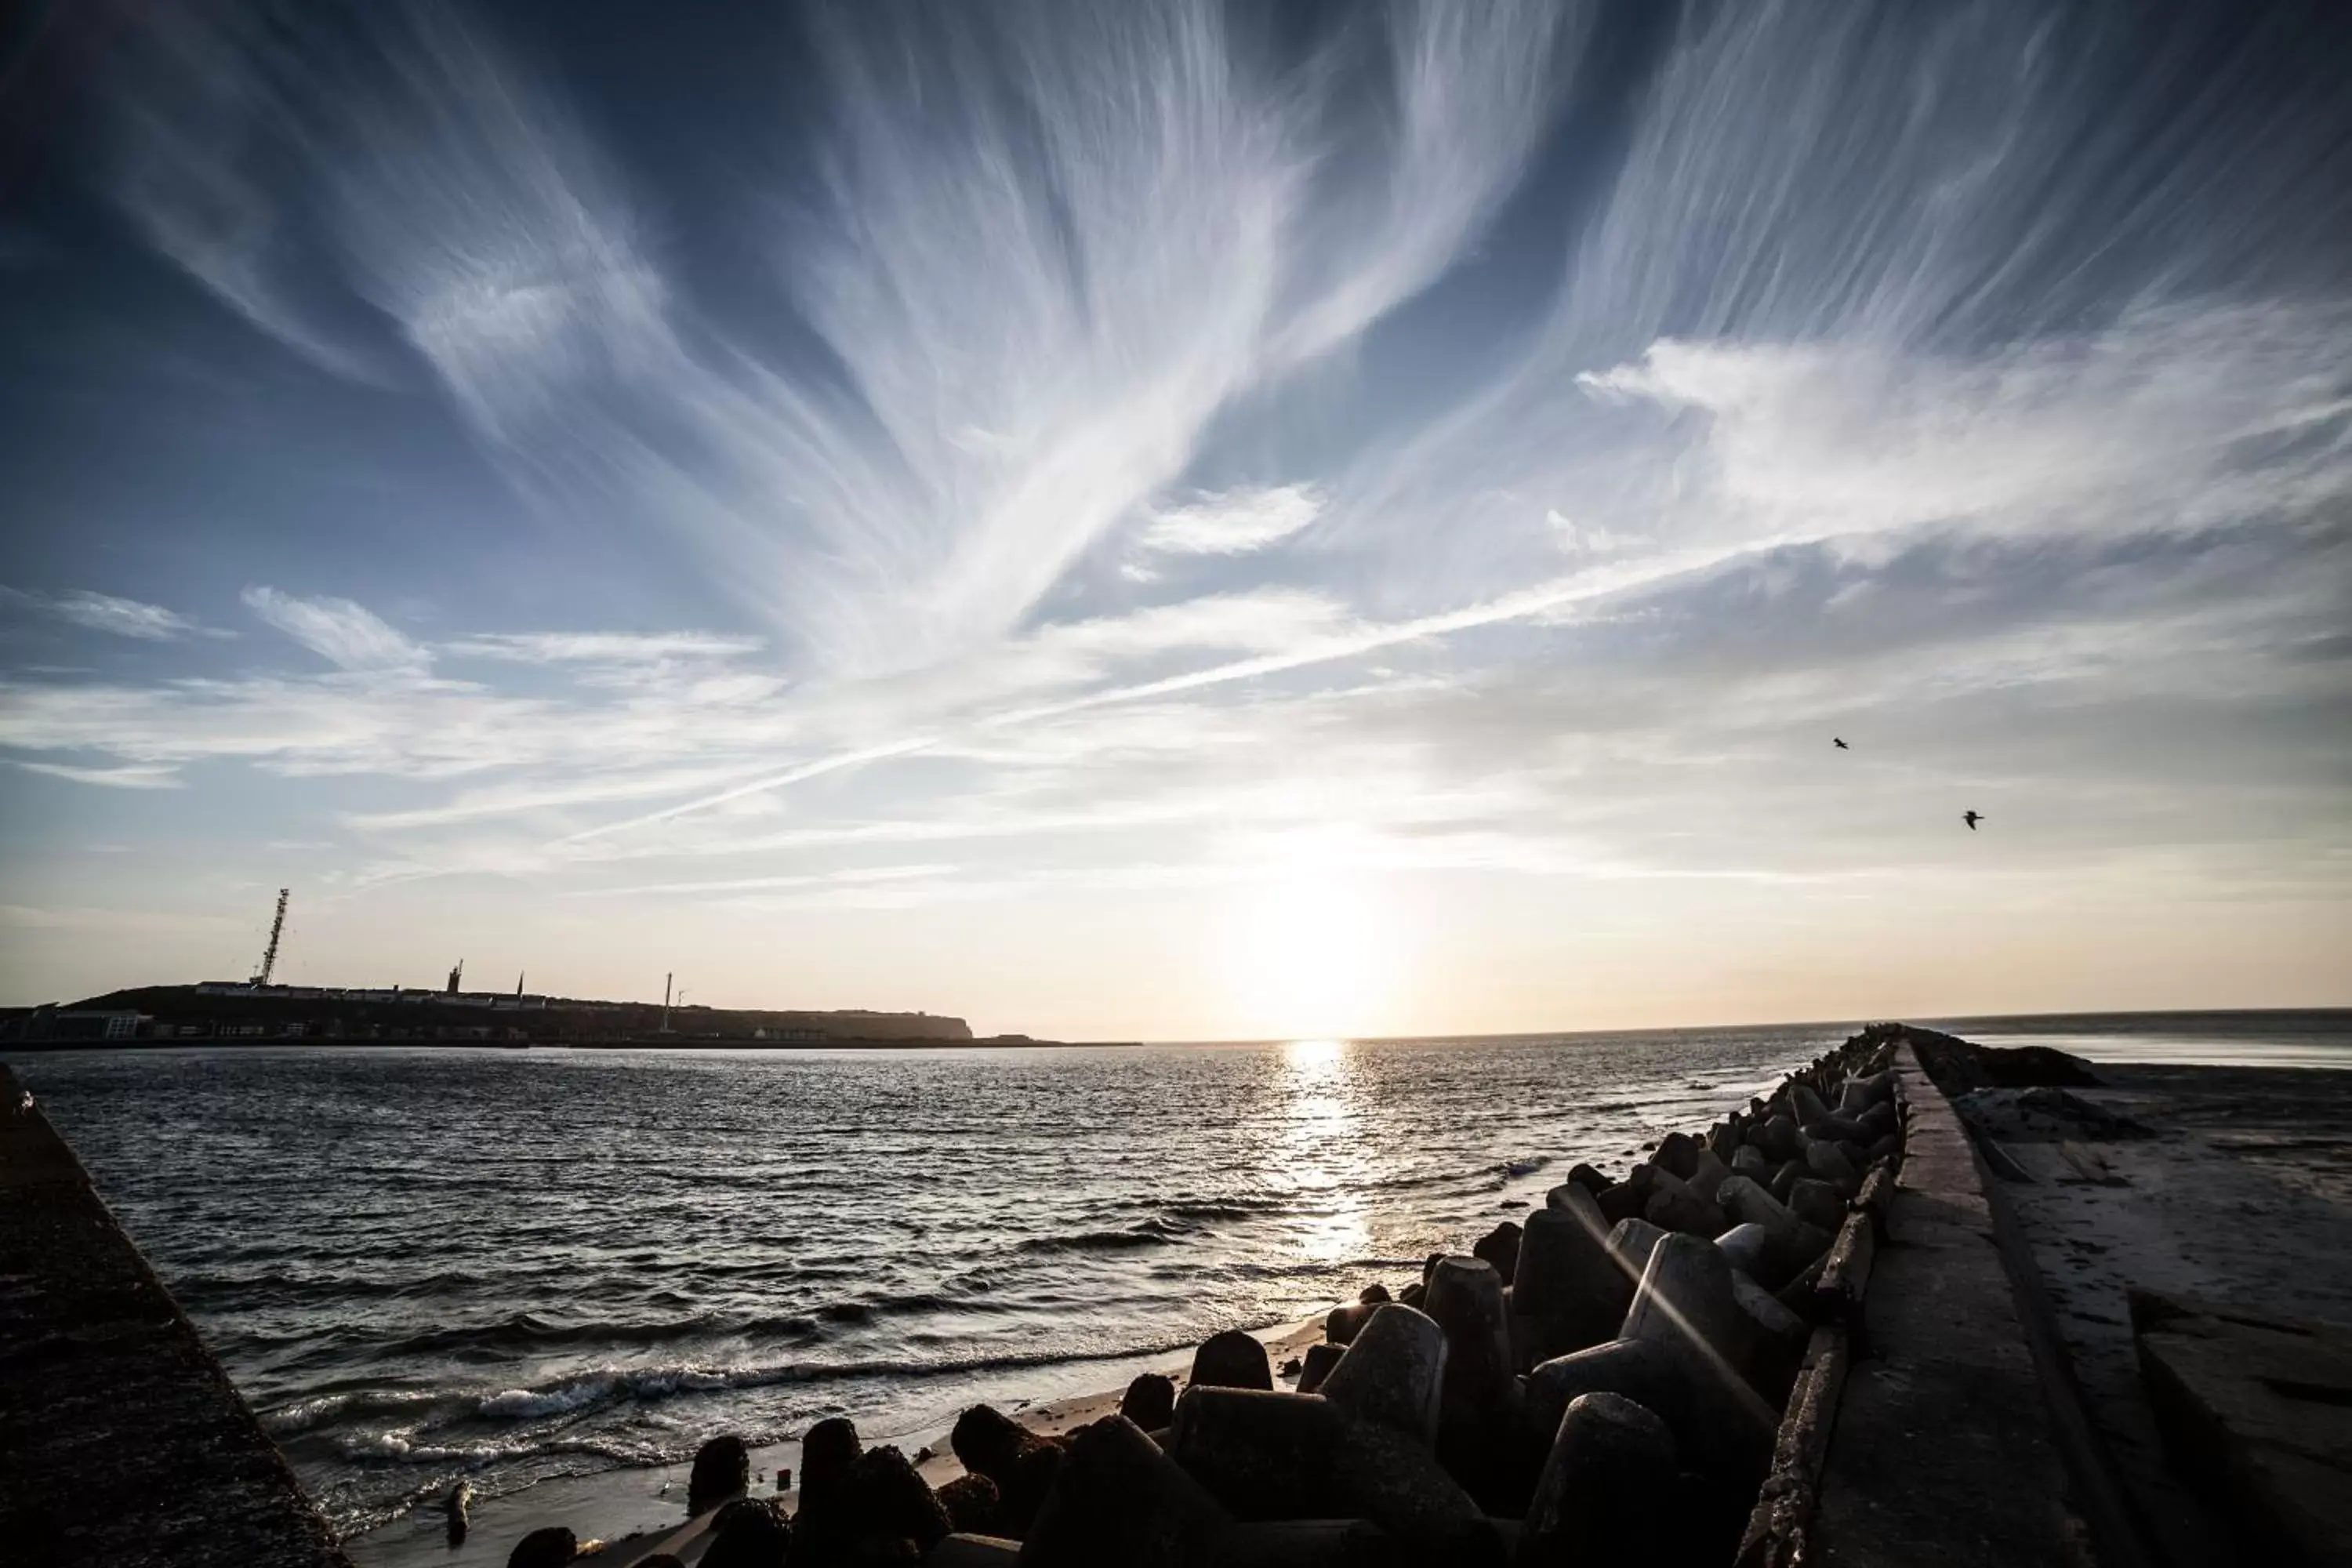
(418,1263)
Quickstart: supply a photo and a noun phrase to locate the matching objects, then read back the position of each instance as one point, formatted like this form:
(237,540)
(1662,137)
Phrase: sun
(1310,954)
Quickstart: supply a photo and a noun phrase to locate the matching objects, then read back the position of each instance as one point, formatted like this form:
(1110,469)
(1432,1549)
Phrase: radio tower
(277,929)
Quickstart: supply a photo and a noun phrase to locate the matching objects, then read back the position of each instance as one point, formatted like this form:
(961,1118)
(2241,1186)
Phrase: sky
(1172,521)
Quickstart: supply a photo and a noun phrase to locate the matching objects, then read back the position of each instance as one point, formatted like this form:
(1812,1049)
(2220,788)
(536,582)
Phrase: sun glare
(1311,955)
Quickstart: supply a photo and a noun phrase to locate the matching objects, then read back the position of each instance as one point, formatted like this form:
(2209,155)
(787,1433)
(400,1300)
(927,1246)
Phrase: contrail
(758,786)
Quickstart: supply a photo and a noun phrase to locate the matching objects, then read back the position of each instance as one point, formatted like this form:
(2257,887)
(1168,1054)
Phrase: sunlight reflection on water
(1320,1157)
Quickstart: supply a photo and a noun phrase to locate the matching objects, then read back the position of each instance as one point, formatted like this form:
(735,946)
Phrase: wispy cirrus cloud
(346,634)
(130,776)
(599,648)
(1002,402)
(1234,522)
(111,613)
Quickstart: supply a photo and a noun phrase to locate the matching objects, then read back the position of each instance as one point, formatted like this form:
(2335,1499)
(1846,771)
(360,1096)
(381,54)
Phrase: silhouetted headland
(232,1012)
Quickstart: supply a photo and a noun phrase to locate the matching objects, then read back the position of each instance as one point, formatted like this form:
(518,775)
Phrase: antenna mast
(277,929)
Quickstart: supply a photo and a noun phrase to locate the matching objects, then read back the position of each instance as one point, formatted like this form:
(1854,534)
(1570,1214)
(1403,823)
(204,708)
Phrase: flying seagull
(1840,744)
(1973,818)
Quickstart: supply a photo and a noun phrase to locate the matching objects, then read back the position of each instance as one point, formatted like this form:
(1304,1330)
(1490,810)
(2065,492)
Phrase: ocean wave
(1149,1234)
(401,1445)
(612,1385)
(303,1414)
(528,1331)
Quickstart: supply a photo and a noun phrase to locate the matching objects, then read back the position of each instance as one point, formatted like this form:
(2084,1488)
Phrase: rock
(826,1526)
(1778,1138)
(749,1533)
(1817,1203)
(548,1548)
(457,1507)
(1262,1456)
(1500,1247)
(1887,1148)
(970,1502)
(1342,1324)
(1674,1206)
(1119,1499)
(1748,1248)
(1624,1200)
(1723,1139)
(1838,1129)
(1373,1296)
(1410,1296)
(1586,1176)
(1394,1374)
(1022,1463)
(1568,1292)
(1797,1295)
(1640,1371)
(722,1468)
(1380,1474)
(974,1550)
(1609,1478)
(827,1451)
(1479,1399)
(1630,1244)
(1149,1401)
(1233,1360)
(1313,1543)
(1686,1305)
(1685,1299)
(1856,1097)
(1708,1173)
(1830,1164)
(1466,1300)
(1749,1161)
(1806,1105)
(1676,1155)
(1321,1361)
(888,1501)
(1776,1337)
(1878,1121)
(1744,1202)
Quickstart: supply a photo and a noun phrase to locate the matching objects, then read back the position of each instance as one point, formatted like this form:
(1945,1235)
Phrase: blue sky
(1184,520)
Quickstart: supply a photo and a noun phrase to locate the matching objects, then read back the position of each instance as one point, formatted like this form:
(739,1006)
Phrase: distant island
(244,1012)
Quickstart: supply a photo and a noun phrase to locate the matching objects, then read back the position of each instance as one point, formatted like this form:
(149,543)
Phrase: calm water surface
(418,1264)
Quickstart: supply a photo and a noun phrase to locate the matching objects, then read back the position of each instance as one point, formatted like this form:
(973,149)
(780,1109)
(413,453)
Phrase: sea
(518,1265)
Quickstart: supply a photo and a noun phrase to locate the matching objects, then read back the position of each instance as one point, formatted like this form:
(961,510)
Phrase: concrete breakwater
(1607,1376)
(121,1442)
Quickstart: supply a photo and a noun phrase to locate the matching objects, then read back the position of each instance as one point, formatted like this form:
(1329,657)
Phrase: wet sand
(2235,1188)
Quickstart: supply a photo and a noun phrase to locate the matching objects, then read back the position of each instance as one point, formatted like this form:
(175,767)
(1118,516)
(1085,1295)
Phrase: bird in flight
(1840,744)
(1973,818)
